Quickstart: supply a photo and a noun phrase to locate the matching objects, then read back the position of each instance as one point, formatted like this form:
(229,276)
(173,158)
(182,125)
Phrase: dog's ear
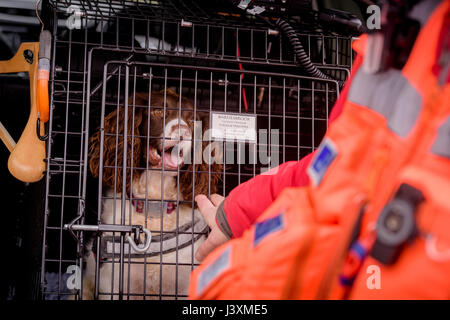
(113,140)
(204,177)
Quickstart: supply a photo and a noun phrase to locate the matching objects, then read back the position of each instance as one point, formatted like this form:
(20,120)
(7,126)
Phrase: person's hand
(216,237)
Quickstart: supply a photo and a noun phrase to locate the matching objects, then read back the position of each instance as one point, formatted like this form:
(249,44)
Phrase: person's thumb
(215,239)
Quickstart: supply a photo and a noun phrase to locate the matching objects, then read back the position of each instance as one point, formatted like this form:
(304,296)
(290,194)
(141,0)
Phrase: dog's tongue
(171,161)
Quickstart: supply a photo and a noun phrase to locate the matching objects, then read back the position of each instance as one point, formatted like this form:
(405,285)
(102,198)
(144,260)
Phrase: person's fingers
(207,209)
(204,249)
(216,199)
(199,197)
(215,239)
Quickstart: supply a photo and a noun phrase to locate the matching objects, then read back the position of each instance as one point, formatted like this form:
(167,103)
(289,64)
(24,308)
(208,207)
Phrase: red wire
(244,96)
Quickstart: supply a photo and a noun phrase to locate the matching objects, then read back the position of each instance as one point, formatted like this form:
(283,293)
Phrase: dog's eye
(157,112)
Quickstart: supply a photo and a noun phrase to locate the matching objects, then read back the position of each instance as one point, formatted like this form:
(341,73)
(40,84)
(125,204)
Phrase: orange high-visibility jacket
(381,173)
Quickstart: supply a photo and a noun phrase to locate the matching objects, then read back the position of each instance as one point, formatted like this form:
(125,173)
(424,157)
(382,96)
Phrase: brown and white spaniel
(163,174)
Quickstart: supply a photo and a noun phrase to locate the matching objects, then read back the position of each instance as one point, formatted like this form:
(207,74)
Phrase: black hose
(302,57)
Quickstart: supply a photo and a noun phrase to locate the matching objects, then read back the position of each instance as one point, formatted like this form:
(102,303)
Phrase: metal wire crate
(219,60)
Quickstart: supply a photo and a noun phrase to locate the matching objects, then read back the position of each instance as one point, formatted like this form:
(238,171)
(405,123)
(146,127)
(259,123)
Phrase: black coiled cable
(302,57)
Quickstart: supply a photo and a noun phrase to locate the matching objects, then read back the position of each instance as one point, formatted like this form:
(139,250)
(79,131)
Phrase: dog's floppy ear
(204,177)
(113,155)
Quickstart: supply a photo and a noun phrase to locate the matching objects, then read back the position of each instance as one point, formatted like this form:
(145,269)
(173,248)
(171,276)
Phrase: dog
(162,176)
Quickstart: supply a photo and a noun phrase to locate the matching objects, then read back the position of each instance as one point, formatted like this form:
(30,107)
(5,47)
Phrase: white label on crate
(256,10)
(243,4)
(233,126)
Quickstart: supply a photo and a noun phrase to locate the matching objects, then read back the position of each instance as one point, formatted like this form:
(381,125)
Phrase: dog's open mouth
(171,157)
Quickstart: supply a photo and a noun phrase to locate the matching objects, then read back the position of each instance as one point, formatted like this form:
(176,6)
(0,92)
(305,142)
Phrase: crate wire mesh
(220,61)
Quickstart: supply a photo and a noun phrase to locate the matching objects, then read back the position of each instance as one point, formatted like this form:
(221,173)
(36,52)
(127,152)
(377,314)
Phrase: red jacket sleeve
(247,201)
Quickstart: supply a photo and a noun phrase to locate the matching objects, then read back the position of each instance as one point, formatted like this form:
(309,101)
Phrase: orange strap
(42,95)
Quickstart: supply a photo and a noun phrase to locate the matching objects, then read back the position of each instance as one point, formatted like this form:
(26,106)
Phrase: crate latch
(135,230)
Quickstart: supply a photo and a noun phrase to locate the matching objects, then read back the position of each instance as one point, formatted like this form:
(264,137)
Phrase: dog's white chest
(164,272)
(165,276)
